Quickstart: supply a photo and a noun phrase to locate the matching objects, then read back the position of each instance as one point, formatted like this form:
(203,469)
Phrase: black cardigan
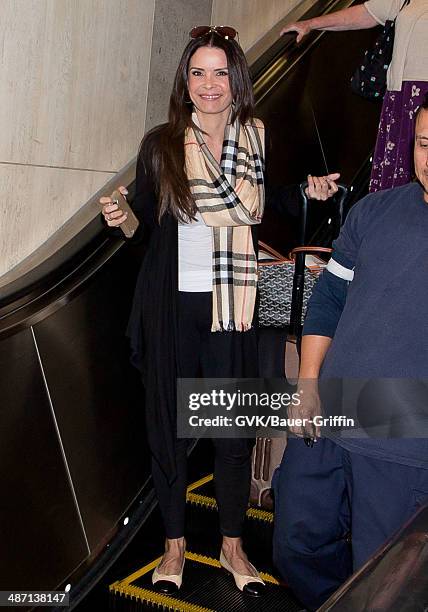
(152,327)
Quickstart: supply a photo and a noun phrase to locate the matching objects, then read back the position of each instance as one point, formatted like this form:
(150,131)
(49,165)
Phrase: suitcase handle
(309,249)
(341,194)
(300,256)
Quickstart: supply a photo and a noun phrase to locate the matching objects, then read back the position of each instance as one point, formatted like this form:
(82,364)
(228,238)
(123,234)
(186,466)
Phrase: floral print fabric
(393,157)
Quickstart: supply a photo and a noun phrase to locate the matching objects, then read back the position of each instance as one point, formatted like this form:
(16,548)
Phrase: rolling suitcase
(267,453)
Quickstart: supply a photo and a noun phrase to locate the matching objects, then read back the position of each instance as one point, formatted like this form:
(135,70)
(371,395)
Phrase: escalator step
(201,493)
(203,530)
(206,587)
(203,536)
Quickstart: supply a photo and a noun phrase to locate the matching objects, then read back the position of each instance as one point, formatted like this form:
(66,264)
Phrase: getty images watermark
(245,408)
(347,408)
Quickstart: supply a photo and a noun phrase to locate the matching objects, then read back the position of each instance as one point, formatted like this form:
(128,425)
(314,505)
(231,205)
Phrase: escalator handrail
(73,237)
(281,57)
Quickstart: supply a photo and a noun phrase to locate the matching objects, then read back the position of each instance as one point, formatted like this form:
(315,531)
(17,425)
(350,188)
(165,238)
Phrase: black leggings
(212,355)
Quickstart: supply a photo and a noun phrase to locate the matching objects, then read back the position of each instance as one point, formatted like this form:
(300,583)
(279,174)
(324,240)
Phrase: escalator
(206,585)
(293,94)
(75,464)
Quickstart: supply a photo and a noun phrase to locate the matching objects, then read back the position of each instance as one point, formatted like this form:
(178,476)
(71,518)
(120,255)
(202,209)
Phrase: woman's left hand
(322,187)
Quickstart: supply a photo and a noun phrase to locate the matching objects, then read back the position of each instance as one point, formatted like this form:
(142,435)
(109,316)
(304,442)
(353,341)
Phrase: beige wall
(72,108)
(173,21)
(81,81)
(252,18)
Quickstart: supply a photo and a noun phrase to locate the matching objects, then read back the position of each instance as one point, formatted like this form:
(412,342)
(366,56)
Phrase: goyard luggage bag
(298,277)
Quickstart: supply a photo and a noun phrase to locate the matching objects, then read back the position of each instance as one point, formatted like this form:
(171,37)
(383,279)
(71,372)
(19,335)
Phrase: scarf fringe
(231,326)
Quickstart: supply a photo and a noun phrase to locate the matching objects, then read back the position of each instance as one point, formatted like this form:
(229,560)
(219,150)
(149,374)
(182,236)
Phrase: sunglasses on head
(225,31)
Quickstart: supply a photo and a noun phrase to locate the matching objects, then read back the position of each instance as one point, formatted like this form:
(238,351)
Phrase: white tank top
(194,256)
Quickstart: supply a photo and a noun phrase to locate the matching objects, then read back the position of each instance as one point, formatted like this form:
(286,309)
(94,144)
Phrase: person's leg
(231,355)
(172,496)
(172,502)
(312,520)
(385,496)
(232,474)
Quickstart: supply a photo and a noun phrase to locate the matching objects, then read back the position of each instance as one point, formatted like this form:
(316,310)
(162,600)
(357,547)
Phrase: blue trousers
(324,492)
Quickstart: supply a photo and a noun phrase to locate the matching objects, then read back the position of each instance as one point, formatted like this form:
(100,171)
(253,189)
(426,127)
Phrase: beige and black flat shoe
(252,585)
(167,583)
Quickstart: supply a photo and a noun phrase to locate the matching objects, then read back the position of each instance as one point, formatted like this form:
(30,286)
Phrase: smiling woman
(209,89)
(200,195)
(208,86)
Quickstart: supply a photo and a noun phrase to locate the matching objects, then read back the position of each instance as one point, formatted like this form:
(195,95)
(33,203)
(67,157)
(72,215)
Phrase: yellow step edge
(143,570)
(158,599)
(216,563)
(125,587)
(202,500)
(261,515)
(122,585)
(210,502)
(200,482)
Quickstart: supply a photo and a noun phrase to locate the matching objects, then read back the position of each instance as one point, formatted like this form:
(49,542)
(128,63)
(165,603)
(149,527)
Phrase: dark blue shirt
(379,319)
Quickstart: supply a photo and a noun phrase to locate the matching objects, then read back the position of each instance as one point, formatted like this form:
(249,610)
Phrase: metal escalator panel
(394,579)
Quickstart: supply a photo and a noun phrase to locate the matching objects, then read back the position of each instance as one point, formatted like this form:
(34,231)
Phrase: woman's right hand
(301,27)
(111,212)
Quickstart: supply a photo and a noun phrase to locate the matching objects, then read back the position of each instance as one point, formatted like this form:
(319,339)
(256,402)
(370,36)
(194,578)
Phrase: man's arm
(313,351)
(324,311)
(326,306)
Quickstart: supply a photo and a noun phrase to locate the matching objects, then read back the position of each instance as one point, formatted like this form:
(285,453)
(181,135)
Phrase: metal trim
(73,491)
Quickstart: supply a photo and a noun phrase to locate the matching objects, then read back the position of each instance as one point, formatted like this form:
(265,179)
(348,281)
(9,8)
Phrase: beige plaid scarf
(230,198)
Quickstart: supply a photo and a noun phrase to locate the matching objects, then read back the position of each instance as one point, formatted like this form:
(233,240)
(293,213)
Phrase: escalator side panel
(42,539)
(97,396)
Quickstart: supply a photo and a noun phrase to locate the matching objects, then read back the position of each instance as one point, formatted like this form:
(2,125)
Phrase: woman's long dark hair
(163,147)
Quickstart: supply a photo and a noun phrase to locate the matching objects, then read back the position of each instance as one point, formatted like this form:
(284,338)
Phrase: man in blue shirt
(367,320)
